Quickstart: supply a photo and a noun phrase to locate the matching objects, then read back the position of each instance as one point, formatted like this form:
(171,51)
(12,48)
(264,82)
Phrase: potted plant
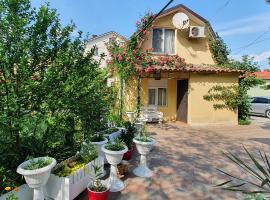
(36,172)
(97,189)
(99,140)
(114,152)
(70,177)
(144,144)
(127,136)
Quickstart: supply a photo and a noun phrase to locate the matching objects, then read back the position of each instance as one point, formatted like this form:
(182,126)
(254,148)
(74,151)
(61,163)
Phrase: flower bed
(70,186)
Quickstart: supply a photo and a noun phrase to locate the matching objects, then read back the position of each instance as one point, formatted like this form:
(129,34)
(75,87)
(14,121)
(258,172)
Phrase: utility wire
(221,8)
(253,42)
(150,22)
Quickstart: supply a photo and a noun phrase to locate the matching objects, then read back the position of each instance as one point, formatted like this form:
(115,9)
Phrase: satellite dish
(180,20)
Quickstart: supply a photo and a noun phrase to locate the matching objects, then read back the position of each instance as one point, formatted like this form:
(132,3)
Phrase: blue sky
(243,24)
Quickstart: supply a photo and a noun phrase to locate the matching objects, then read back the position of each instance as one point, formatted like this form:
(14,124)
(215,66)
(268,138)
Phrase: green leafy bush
(88,152)
(53,93)
(97,137)
(38,163)
(117,145)
(128,135)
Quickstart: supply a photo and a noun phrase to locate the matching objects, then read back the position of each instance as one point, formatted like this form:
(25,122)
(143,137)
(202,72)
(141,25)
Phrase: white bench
(151,114)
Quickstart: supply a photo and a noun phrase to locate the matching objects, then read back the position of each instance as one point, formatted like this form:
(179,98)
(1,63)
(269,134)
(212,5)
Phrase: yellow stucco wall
(194,51)
(201,111)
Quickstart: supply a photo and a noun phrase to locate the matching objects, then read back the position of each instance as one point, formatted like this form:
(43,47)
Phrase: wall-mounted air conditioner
(196,32)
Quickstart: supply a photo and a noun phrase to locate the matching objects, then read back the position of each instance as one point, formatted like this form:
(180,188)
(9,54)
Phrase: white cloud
(245,25)
(261,58)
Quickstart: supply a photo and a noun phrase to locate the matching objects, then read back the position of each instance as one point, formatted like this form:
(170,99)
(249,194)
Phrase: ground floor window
(157,96)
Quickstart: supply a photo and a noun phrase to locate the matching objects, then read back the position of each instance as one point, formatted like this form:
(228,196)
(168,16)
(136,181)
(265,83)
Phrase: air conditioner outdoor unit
(196,32)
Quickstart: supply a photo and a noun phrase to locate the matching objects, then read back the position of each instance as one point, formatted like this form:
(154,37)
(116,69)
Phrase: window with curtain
(157,96)
(162,97)
(163,41)
(157,40)
(152,97)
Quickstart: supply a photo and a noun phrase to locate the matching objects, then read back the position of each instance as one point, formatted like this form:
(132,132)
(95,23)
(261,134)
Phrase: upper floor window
(163,41)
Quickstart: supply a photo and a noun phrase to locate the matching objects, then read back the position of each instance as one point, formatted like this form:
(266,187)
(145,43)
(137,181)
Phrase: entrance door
(182,100)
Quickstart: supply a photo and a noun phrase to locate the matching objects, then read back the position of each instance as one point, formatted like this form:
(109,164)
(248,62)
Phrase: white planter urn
(114,158)
(37,178)
(101,154)
(143,148)
(130,115)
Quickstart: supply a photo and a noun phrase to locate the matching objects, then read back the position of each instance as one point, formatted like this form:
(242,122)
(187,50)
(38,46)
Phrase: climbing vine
(132,60)
(233,97)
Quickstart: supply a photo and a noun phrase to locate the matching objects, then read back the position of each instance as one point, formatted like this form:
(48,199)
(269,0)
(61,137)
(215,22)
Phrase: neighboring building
(179,92)
(262,90)
(100,41)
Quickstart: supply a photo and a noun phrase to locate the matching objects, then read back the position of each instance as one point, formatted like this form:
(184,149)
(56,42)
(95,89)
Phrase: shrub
(117,145)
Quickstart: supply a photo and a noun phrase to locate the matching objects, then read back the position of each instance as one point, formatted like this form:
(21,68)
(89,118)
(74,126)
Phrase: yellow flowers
(7,188)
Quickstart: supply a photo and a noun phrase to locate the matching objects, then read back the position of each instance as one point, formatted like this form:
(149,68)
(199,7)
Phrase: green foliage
(53,94)
(38,163)
(128,135)
(244,122)
(256,197)
(232,97)
(12,197)
(219,50)
(88,152)
(109,131)
(116,145)
(143,136)
(97,137)
(97,185)
(257,167)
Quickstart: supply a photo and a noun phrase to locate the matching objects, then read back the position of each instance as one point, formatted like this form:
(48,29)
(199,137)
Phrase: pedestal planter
(114,158)
(37,178)
(130,116)
(92,195)
(69,187)
(143,148)
(101,154)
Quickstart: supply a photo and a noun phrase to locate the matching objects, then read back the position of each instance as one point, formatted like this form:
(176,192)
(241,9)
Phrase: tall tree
(51,89)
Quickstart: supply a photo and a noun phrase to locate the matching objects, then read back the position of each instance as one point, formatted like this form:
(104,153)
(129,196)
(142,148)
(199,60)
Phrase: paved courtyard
(185,159)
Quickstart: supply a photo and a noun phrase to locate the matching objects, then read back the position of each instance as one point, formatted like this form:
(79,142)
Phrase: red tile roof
(263,74)
(200,68)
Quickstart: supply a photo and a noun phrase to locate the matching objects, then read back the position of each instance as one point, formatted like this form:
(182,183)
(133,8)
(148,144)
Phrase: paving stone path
(185,159)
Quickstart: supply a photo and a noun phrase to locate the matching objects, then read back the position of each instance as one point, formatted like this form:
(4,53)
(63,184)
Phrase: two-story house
(178,92)
(100,44)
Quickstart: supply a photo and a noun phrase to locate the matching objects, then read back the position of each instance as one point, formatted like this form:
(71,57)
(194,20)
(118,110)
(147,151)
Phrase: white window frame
(163,39)
(156,96)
